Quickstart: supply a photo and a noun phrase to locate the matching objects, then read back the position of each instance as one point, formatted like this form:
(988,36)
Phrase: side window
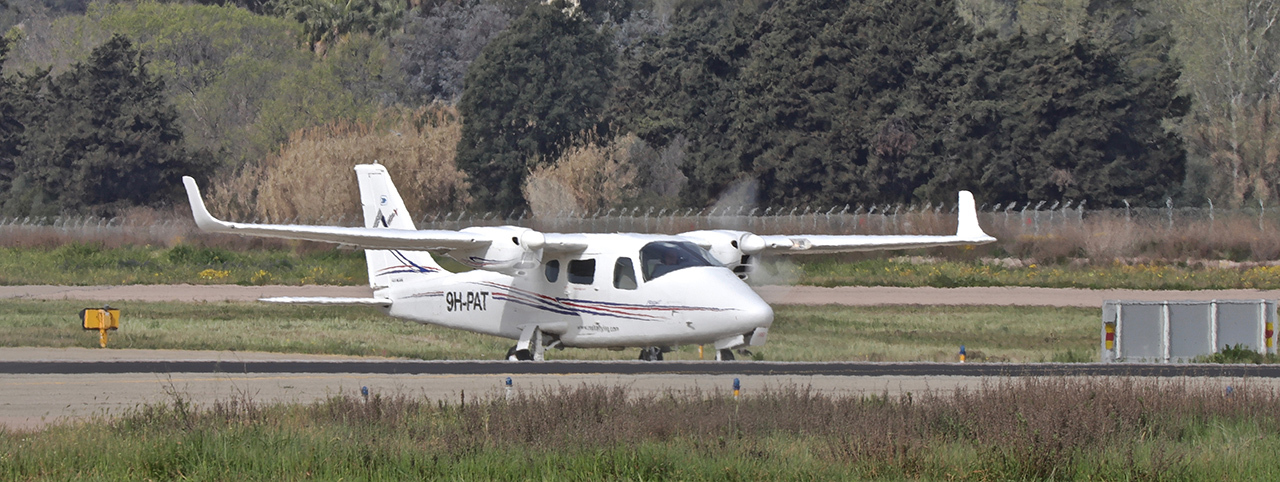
(553,270)
(624,275)
(582,271)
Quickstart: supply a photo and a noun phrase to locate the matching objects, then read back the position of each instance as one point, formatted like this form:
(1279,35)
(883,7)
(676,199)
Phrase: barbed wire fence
(1038,218)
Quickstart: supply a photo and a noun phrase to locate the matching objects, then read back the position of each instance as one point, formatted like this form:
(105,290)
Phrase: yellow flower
(213,274)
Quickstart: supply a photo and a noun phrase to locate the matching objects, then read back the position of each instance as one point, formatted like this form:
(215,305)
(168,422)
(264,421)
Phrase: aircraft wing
(371,238)
(968,232)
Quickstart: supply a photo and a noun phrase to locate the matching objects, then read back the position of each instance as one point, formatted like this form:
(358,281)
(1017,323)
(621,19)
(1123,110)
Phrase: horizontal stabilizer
(318,300)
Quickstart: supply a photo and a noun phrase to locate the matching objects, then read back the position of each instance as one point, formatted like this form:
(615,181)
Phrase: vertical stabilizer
(383,208)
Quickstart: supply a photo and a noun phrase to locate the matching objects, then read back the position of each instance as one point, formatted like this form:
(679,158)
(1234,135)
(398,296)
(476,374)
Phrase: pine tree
(1035,118)
(832,104)
(101,137)
(534,88)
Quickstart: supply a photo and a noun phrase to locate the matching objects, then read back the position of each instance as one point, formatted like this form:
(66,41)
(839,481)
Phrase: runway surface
(778,295)
(475,368)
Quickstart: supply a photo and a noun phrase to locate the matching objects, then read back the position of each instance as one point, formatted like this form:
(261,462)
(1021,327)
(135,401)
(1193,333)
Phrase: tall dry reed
(589,177)
(312,178)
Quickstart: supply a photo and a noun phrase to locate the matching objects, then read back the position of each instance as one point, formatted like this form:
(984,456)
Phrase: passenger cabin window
(661,257)
(553,270)
(624,274)
(582,271)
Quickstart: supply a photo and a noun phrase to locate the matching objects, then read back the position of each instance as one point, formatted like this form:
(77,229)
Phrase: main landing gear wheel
(651,353)
(724,355)
(518,355)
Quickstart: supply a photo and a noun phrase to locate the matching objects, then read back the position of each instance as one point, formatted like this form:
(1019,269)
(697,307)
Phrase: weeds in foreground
(1034,428)
(1238,354)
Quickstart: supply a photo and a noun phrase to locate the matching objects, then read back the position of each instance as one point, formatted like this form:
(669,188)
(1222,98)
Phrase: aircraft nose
(755,313)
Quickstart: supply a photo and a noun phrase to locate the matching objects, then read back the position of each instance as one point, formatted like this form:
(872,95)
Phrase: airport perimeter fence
(1005,222)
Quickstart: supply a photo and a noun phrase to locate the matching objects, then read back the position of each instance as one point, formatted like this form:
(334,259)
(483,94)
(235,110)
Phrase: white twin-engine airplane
(556,290)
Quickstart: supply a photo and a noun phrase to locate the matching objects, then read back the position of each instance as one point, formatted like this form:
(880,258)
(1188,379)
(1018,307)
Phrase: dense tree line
(812,102)
(99,137)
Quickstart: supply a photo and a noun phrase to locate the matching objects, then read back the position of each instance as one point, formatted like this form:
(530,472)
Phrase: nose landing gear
(532,345)
(514,354)
(652,353)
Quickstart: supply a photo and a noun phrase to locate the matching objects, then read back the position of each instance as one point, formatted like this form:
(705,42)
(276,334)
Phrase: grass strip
(1012,429)
(799,333)
(955,274)
(92,264)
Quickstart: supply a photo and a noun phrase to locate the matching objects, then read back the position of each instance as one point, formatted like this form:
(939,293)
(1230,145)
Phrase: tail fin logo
(385,221)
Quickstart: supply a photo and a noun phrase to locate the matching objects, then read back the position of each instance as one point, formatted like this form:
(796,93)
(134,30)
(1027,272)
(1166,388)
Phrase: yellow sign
(101,319)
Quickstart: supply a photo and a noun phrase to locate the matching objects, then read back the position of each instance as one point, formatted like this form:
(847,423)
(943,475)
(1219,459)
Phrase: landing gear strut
(651,353)
(531,345)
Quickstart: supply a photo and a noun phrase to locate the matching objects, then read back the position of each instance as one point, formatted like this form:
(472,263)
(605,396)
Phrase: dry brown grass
(1109,236)
(585,178)
(1013,429)
(138,226)
(311,178)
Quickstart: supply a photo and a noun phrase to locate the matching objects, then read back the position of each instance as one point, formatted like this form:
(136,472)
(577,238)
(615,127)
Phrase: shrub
(311,179)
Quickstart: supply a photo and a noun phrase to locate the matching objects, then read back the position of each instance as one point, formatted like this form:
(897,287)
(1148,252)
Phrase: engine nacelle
(734,249)
(513,249)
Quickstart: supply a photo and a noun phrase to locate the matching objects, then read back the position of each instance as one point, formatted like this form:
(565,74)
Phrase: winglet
(968,223)
(201,214)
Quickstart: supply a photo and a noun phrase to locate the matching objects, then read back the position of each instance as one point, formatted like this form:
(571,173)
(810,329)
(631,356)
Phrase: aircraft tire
(651,353)
(518,355)
(724,355)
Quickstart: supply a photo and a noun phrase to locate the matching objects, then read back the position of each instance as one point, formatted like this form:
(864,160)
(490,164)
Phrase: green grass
(1238,353)
(1022,429)
(89,264)
(799,333)
(953,274)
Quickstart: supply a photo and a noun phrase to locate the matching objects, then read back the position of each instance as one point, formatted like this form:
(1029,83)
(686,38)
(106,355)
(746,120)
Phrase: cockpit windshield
(662,257)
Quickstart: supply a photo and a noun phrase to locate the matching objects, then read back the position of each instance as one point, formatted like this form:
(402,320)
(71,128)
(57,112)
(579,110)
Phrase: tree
(1036,118)
(833,103)
(325,21)
(220,64)
(1232,53)
(11,127)
(678,90)
(438,45)
(101,137)
(534,88)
